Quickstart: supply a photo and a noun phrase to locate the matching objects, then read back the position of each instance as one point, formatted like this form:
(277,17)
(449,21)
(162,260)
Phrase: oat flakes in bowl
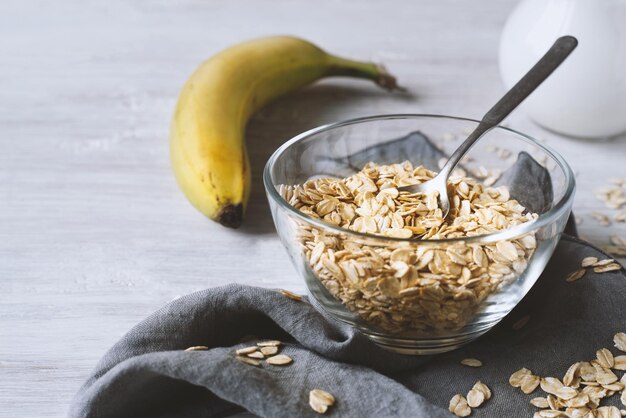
(352,235)
(400,287)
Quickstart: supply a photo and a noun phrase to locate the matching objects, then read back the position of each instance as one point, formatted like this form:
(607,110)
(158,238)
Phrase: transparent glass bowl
(434,319)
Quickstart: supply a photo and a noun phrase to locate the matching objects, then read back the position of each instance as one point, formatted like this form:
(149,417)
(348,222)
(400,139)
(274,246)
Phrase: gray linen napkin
(147,373)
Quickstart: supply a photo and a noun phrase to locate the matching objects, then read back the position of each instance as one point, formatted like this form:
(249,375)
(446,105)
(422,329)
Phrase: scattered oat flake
(516,378)
(605,358)
(269,351)
(620,341)
(566,392)
(620,364)
(197,348)
(589,261)
(617,240)
(603,262)
(608,412)
(615,250)
(550,413)
(540,402)
(578,412)
(623,398)
(553,402)
(320,400)
(247,350)
(616,387)
(602,219)
(256,354)
(483,388)
(551,385)
(459,406)
(290,295)
(587,371)
(578,401)
(270,343)
(568,379)
(519,324)
(607,268)
(529,383)
(604,376)
(575,275)
(471,362)
(279,360)
(475,398)
(614,197)
(249,361)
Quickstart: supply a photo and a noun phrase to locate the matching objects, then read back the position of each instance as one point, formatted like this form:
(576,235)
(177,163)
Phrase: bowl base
(423,347)
(332,308)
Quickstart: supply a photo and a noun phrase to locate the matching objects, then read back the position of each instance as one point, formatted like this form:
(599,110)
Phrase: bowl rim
(564,204)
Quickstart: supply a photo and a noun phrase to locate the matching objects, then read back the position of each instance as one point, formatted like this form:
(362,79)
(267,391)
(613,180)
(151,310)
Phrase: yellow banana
(207,138)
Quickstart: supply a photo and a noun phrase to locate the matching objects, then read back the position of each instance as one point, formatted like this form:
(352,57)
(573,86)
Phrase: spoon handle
(532,79)
(559,51)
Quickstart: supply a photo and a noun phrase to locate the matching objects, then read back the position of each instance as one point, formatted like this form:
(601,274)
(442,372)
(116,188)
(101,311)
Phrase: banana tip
(387,81)
(231,216)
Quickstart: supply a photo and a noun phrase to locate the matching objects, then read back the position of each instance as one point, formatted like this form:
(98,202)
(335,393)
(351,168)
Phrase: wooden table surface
(94,233)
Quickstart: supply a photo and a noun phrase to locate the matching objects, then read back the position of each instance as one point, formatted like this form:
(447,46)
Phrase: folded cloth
(147,373)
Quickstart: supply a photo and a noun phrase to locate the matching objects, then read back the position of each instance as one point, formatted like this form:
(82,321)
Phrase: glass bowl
(445,306)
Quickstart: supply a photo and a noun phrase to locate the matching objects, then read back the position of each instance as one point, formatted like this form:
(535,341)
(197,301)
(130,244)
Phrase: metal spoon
(533,78)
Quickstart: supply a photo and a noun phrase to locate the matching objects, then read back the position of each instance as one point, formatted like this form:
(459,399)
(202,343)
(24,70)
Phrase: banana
(207,144)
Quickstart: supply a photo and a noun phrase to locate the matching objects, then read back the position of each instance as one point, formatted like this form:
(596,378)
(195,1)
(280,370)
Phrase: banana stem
(368,70)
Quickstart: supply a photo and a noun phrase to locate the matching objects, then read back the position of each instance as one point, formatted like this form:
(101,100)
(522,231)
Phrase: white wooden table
(94,233)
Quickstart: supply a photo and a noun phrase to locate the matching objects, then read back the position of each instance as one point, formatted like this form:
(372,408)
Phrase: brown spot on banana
(231,216)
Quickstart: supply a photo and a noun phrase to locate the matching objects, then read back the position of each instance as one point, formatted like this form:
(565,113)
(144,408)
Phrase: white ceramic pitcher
(586,96)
